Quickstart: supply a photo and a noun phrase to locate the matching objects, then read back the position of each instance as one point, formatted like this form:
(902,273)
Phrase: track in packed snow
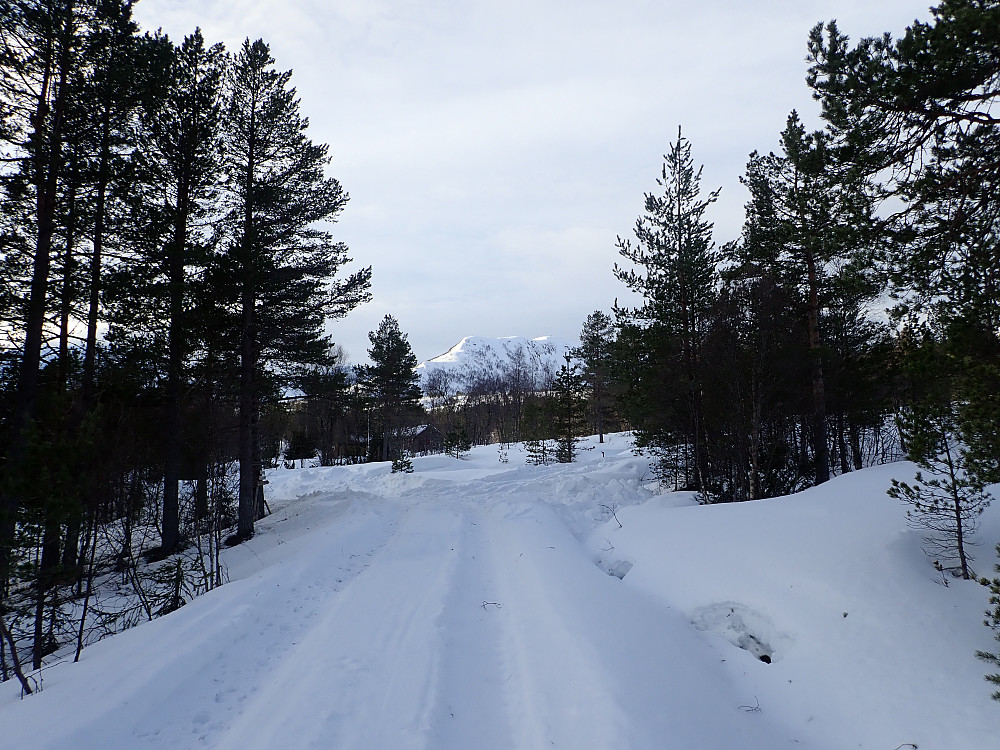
(449,614)
(477,605)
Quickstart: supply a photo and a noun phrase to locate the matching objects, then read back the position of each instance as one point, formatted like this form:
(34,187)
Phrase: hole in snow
(745,628)
(618,569)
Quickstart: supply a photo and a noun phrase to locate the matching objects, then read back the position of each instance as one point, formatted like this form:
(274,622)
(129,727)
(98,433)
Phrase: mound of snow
(870,645)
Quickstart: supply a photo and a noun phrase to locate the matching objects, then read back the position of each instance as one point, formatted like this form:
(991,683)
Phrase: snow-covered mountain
(477,357)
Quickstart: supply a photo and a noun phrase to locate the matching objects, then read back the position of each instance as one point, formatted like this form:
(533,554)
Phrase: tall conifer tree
(42,46)
(921,112)
(280,265)
(594,353)
(673,266)
(567,410)
(805,221)
(178,166)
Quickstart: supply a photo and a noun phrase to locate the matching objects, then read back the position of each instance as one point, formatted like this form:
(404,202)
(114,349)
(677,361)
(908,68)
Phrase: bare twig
(611,509)
(498,605)
(755,708)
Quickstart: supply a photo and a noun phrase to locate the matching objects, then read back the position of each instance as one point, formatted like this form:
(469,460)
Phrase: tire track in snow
(471,695)
(595,663)
(556,695)
(365,674)
(214,655)
(371,636)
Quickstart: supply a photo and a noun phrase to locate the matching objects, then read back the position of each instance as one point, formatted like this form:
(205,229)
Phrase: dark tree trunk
(66,292)
(248,481)
(820,442)
(201,494)
(46,163)
(44,583)
(175,363)
(258,464)
(96,260)
(856,455)
(842,445)
(247,510)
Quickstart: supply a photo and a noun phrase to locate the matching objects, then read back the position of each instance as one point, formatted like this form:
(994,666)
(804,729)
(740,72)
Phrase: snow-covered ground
(476,605)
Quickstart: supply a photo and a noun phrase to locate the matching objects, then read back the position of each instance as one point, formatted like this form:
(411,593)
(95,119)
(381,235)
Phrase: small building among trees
(422,440)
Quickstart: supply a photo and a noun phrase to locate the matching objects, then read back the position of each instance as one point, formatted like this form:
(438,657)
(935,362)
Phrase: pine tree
(39,78)
(946,498)
(753,394)
(594,353)
(301,446)
(329,399)
(457,443)
(390,384)
(280,266)
(66,106)
(402,464)
(920,112)
(993,621)
(674,270)
(118,81)
(805,220)
(178,162)
(539,451)
(536,433)
(897,100)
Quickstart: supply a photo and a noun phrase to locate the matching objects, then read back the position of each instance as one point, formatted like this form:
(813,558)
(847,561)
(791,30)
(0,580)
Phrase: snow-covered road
(477,620)
(465,607)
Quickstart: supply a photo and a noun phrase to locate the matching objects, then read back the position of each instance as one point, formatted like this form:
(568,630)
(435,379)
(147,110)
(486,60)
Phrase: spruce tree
(390,385)
(673,267)
(567,410)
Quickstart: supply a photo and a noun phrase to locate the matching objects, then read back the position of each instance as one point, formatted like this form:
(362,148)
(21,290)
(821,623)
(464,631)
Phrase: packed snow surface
(481,605)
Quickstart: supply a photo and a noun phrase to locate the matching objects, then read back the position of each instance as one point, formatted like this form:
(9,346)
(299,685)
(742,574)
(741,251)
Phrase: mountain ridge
(478,358)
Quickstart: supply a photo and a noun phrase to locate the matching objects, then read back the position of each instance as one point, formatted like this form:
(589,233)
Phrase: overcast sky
(494,150)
